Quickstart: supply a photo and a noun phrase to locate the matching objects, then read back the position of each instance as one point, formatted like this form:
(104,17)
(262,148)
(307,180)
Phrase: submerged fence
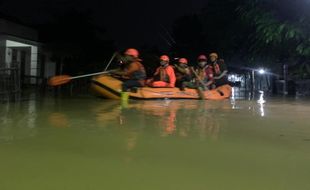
(9,83)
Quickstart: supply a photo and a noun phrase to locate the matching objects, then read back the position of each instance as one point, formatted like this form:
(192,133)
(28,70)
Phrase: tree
(281,28)
(254,33)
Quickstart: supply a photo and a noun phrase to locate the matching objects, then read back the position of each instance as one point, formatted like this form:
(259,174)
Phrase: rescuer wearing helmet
(219,70)
(183,73)
(164,75)
(132,72)
(204,72)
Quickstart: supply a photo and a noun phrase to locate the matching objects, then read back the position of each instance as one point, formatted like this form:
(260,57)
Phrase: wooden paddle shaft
(98,73)
(87,75)
(106,68)
(198,77)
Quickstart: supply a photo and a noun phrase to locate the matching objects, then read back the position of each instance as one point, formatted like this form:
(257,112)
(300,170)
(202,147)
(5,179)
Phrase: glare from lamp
(261,71)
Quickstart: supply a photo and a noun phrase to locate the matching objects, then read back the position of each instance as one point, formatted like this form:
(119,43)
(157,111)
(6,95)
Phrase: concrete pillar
(34,64)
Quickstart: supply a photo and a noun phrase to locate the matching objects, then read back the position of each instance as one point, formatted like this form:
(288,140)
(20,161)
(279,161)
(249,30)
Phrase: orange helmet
(213,55)
(132,52)
(202,57)
(164,58)
(183,60)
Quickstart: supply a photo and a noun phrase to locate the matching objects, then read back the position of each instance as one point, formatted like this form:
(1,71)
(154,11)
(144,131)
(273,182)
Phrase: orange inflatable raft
(110,87)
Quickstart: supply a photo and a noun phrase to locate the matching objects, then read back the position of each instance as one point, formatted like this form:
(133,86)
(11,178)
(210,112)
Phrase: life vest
(216,68)
(182,76)
(162,74)
(138,74)
(205,73)
(201,72)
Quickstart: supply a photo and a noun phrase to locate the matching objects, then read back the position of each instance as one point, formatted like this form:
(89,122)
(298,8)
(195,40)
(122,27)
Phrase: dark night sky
(130,23)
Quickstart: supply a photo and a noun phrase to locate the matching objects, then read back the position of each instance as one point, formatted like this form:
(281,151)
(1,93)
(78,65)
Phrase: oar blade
(59,80)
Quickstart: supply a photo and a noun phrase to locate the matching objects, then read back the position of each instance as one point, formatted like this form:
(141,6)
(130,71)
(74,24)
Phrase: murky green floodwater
(88,143)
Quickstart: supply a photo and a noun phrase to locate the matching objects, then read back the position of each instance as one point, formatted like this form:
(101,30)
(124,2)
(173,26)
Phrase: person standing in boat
(219,69)
(131,70)
(183,73)
(164,75)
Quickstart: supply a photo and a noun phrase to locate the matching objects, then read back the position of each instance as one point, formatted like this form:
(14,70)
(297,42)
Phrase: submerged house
(22,54)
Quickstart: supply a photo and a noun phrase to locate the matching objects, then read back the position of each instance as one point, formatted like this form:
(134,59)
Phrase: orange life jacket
(162,75)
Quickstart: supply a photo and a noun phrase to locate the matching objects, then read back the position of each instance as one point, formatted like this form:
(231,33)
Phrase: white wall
(34,63)
(31,64)
(21,38)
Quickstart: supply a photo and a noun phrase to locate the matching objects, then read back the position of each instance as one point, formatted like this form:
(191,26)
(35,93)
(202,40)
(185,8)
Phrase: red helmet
(164,58)
(183,60)
(132,52)
(202,57)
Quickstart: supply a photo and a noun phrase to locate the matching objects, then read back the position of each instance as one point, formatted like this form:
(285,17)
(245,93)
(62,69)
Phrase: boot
(124,99)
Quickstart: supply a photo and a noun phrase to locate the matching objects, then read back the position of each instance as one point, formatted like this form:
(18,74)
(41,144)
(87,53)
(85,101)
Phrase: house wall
(34,61)
(31,64)
(23,41)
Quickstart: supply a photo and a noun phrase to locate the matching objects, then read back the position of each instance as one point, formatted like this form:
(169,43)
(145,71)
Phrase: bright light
(261,71)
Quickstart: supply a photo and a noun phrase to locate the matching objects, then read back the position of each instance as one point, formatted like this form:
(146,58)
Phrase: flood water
(89,143)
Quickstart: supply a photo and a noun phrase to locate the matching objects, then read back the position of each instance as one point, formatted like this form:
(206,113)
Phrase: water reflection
(182,118)
(58,120)
(261,101)
(165,118)
(17,121)
(179,118)
(32,113)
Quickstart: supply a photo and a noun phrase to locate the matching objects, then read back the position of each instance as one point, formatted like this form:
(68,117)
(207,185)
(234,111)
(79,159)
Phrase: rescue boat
(110,87)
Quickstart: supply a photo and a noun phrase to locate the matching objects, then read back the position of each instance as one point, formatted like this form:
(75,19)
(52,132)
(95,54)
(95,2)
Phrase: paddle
(200,90)
(63,79)
(106,68)
(197,77)
(206,85)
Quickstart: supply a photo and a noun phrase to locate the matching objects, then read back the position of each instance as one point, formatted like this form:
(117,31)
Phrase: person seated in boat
(219,69)
(182,72)
(203,75)
(164,75)
(131,71)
